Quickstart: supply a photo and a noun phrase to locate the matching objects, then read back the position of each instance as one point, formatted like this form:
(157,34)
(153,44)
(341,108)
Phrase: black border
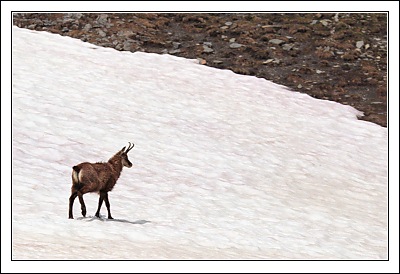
(223,260)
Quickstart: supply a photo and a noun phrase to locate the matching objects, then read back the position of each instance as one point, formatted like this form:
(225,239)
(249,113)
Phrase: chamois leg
(83,206)
(71,203)
(100,203)
(108,206)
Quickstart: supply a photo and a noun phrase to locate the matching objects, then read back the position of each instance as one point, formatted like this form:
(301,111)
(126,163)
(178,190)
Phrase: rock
(359,44)
(276,41)
(202,61)
(268,61)
(125,33)
(336,17)
(299,86)
(235,45)
(105,42)
(65,29)
(234,26)
(232,40)
(74,15)
(217,62)
(102,19)
(207,49)
(174,51)
(176,45)
(224,27)
(287,46)
(87,27)
(67,21)
(271,26)
(276,61)
(208,44)
(325,22)
(102,33)
(127,46)
(75,27)
(319,71)
(228,23)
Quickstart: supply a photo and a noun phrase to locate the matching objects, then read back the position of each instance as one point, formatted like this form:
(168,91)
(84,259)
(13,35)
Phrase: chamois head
(124,155)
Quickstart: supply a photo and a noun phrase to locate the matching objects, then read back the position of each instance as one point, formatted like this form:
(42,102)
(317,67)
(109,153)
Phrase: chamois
(97,177)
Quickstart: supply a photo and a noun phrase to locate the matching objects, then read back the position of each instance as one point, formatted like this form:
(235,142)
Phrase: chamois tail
(75,178)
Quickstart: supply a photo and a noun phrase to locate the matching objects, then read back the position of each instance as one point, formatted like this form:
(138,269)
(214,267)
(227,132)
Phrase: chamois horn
(129,147)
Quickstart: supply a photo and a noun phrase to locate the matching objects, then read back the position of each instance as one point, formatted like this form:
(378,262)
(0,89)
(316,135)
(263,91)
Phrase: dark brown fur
(97,177)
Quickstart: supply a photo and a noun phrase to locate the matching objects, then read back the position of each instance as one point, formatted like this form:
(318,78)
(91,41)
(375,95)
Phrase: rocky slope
(340,57)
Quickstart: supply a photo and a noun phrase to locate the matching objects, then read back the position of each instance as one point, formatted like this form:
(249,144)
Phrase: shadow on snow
(94,218)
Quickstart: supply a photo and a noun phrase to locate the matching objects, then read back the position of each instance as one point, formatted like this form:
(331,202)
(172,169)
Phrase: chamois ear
(122,150)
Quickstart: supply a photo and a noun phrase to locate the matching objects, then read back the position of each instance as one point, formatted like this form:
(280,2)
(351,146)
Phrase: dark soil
(339,57)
